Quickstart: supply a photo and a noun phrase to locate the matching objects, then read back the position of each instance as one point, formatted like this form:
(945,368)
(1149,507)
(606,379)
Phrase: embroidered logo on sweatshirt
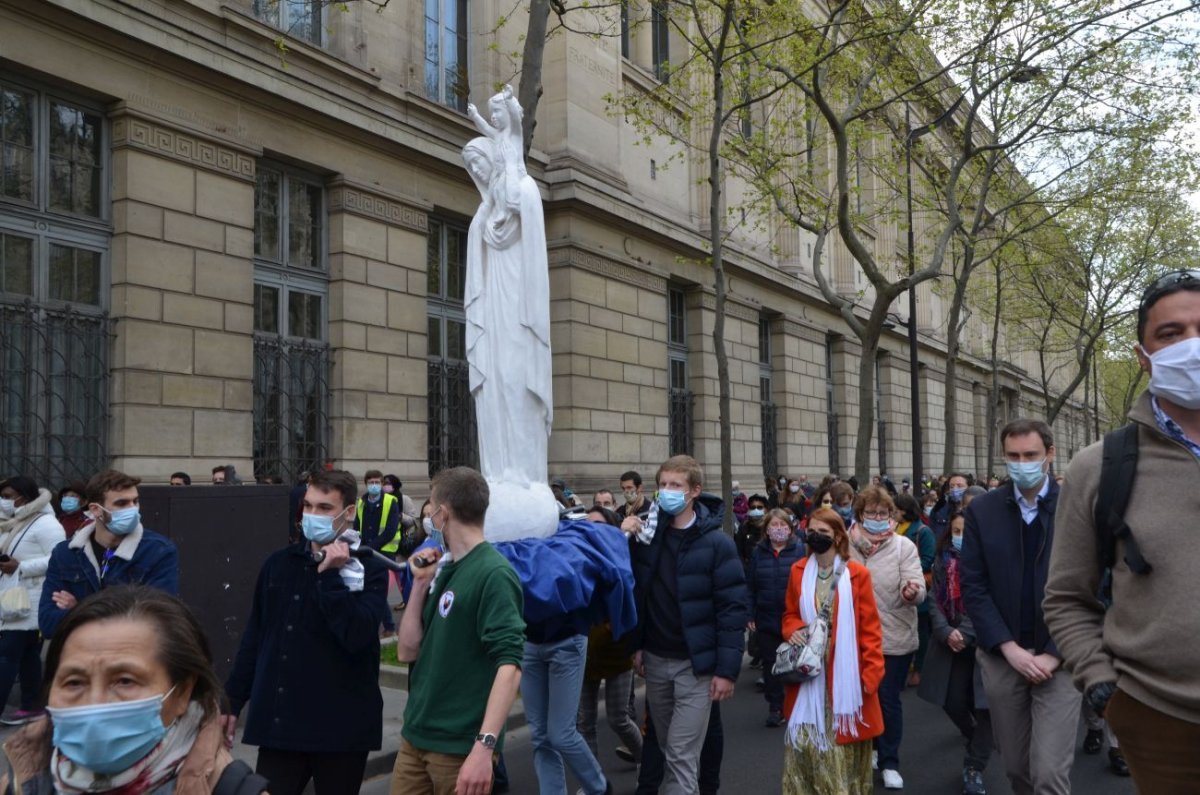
(445,603)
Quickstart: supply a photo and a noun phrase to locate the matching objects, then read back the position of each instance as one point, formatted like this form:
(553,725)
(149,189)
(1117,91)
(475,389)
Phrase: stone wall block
(155,346)
(224,277)
(356,369)
(155,180)
(188,310)
(152,263)
(135,218)
(182,390)
(193,231)
(225,355)
(156,431)
(223,434)
(229,201)
(406,312)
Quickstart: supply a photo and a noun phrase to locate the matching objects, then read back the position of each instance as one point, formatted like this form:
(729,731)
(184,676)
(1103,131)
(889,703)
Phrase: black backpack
(238,779)
(1116,484)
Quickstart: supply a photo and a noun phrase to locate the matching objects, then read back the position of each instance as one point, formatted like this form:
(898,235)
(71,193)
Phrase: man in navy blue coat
(691,598)
(308,665)
(114,549)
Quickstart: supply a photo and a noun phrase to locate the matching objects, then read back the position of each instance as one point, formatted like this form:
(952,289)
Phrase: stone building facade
(233,232)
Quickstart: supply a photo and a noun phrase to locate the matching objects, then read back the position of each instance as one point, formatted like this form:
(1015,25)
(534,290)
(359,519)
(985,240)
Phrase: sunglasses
(1167,283)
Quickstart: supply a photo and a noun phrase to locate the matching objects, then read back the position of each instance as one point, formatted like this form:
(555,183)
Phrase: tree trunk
(950,406)
(994,389)
(866,388)
(718,266)
(529,90)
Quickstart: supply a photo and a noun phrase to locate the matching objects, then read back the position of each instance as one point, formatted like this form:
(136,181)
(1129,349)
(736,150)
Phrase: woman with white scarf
(834,716)
(29,532)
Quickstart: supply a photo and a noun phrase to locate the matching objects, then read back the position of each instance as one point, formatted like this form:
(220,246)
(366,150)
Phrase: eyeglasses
(876,515)
(1167,283)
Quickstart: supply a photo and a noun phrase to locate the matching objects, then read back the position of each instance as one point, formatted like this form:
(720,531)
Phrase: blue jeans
(21,656)
(895,674)
(551,678)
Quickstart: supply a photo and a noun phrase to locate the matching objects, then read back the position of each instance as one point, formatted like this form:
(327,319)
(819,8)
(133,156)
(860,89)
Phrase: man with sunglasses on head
(1137,660)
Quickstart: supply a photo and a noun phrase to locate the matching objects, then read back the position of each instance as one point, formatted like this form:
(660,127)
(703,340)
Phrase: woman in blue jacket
(767,576)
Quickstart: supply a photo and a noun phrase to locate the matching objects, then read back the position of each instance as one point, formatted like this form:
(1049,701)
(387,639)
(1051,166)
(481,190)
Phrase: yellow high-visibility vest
(388,501)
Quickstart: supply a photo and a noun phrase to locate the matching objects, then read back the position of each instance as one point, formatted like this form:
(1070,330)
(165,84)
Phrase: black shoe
(1093,742)
(1116,762)
(624,754)
(973,782)
(760,685)
(774,719)
(755,662)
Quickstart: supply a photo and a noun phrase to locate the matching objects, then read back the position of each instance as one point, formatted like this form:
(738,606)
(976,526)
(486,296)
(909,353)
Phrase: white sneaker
(892,780)
(874,760)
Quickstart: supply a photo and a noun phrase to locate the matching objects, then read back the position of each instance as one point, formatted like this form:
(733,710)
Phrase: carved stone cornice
(804,331)
(346,196)
(733,308)
(572,256)
(140,132)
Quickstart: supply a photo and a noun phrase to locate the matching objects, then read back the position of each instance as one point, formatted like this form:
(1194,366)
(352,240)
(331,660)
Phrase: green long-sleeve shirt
(473,623)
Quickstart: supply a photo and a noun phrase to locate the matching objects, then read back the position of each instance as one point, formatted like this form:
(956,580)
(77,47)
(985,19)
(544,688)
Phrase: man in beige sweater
(1138,661)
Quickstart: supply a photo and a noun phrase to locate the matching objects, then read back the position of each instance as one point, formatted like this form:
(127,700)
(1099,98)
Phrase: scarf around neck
(146,775)
(948,592)
(807,722)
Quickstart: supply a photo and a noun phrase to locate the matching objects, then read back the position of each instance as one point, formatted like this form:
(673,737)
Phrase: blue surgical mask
(956,541)
(318,529)
(124,521)
(434,534)
(1027,474)
(956,495)
(671,502)
(70,504)
(109,738)
(876,526)
(756,513)
(374,489)
(847,513)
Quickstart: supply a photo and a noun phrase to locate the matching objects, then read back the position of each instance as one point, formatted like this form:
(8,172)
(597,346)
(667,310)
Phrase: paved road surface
(930,759)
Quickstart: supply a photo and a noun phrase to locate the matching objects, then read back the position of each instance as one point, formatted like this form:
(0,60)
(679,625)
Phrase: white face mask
(7,508)
(1175,373)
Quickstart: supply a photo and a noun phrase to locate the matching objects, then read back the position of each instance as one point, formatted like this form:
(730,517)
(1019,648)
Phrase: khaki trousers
(418,772)
(1160,749)
(1033,725)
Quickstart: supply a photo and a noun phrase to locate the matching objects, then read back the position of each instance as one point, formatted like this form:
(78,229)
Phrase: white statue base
(516,512)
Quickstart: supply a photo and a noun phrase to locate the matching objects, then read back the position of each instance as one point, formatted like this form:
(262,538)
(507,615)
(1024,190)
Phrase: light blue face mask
(671,502)
(756,513)
(956,495)
(876,526)
(109,738)
(318,529)
(435,535)
(1027,474)
(70,504)
(374,489)
(847,513)
(123,522)
(956,541)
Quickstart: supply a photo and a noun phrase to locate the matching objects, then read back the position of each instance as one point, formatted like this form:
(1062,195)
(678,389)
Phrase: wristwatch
(1099,695)
(488,741)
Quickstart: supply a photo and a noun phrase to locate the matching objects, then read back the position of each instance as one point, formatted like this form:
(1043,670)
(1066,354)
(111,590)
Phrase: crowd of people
(1014,604)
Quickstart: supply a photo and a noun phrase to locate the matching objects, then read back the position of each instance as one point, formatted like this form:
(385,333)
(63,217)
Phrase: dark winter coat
(767,581)
(712,590)
(992,563)
(935,674)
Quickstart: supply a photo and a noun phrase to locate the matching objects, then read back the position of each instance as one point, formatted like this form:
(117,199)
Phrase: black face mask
(818,542)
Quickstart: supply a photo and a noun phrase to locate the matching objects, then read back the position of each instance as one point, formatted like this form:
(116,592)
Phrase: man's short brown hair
(463,491)
(1023,427)
(338,480)
(106,481)
(372,473)
(685,464)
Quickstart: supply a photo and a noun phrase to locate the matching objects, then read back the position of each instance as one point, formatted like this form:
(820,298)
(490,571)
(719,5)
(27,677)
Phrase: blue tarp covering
(584,566)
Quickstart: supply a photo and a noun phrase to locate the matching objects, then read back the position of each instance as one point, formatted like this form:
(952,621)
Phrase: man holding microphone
(308,664)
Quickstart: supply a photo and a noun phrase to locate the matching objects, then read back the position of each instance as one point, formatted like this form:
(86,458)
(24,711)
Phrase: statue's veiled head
(480,156)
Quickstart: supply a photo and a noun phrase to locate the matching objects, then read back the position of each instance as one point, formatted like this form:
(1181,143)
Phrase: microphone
(366,553)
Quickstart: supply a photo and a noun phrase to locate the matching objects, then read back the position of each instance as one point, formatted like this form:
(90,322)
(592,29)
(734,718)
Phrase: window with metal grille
(300,19)
(446,52)
(660,39)
(831,412)
(766,396)
(680,397)
(54,250)
(291,354)
(453,440)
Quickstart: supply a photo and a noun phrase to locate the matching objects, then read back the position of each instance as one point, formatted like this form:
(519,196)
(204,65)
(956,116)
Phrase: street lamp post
(913,375)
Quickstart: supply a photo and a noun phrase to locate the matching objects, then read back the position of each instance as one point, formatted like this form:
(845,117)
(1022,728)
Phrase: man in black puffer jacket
(691,597)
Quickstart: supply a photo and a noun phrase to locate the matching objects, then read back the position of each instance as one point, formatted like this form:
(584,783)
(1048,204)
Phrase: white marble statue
(508,328)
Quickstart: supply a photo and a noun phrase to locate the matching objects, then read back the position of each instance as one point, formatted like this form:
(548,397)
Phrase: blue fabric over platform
(584,566)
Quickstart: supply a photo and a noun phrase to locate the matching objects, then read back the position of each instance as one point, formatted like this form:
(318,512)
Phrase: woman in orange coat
(835,715)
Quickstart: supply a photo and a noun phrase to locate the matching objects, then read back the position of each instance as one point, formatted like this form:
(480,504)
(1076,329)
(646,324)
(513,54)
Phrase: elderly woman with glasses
(899,585)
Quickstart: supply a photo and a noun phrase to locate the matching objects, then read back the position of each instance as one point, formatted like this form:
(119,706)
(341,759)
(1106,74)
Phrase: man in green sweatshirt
(1138,661)
(463,632)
